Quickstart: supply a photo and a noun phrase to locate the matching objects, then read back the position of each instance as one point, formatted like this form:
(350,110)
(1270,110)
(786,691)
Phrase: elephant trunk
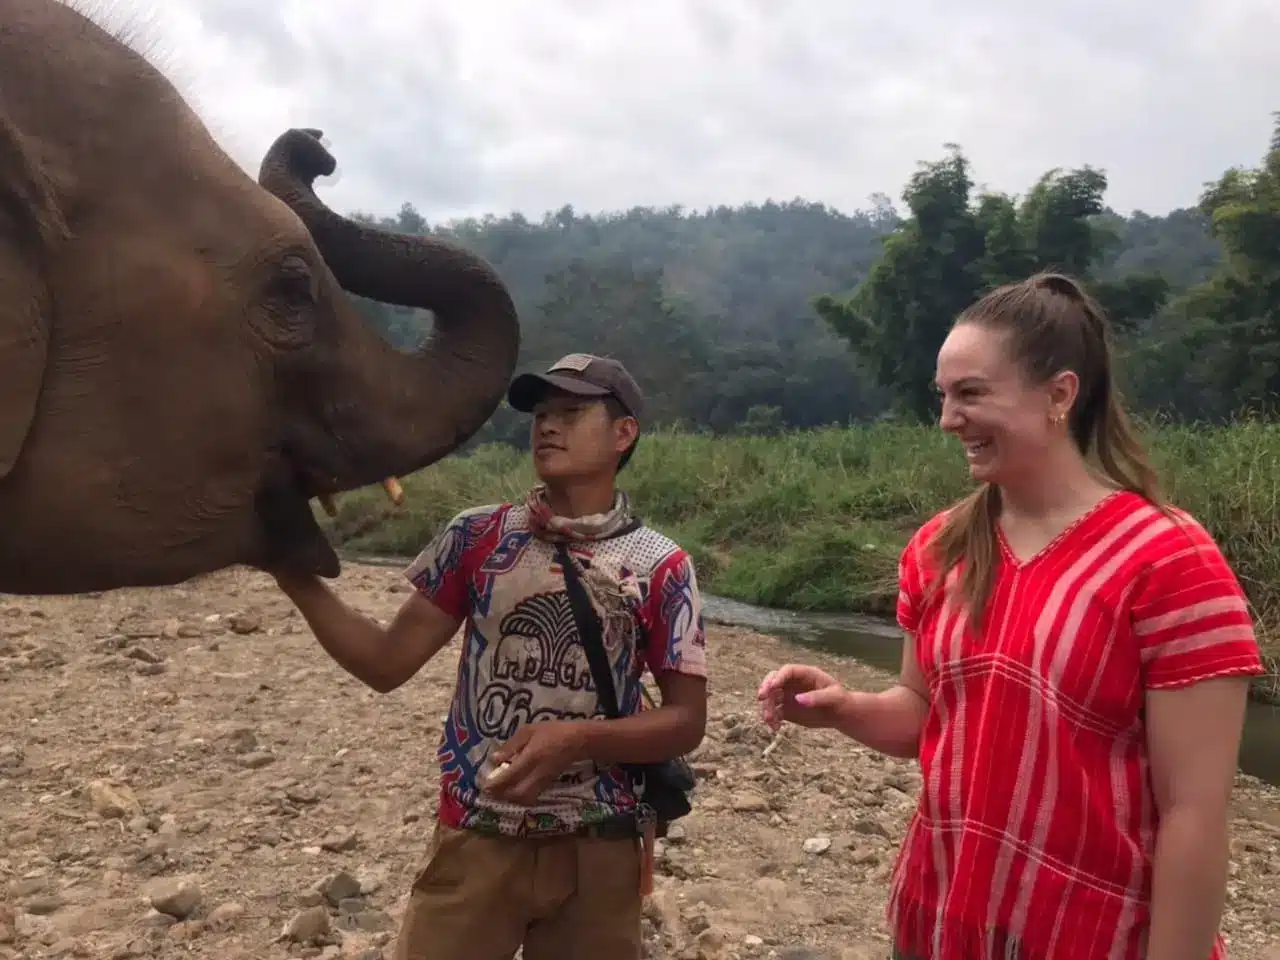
(428,402)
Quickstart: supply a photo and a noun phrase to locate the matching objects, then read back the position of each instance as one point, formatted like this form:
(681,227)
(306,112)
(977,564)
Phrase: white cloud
(496,105)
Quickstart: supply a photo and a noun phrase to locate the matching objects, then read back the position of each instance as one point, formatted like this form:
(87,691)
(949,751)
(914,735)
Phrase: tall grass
(815,520)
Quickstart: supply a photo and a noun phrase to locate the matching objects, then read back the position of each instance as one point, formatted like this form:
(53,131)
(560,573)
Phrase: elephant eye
(293,282)
(284,318)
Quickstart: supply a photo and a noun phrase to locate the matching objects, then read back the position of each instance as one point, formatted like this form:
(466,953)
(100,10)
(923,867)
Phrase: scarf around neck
(614,593)
(548,526)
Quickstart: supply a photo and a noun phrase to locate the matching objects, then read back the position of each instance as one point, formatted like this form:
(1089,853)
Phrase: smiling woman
(1074,669)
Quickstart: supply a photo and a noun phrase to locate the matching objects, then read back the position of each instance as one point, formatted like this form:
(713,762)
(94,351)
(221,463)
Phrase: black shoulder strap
(632,525)
(590,633)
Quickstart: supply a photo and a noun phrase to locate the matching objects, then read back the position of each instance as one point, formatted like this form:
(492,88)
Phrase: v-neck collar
(1012,559)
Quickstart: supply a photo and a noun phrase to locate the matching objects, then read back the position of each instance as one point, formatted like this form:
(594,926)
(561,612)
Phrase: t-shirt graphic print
(522,660)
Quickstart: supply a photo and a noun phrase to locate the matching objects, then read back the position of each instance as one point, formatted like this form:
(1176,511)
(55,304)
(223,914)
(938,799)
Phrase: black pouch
(664,786)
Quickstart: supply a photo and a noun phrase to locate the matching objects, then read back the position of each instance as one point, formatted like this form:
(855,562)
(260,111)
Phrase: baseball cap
(583,374)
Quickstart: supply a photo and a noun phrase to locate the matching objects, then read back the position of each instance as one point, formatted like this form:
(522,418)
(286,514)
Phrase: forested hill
(711,310)
(715,310)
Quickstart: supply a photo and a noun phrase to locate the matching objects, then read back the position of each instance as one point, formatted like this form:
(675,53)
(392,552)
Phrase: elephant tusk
(327,503)
(395,493)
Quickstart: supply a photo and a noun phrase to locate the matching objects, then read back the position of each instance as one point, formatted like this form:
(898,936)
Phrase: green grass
(815,520)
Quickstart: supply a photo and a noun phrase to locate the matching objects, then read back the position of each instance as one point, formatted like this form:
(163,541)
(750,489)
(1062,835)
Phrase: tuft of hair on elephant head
(181,368)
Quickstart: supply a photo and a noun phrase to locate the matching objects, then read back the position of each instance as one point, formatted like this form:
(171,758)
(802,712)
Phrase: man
(539,837)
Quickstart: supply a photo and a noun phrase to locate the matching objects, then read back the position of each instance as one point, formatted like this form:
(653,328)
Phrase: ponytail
(1121,454)
(1099,423)
(969,534)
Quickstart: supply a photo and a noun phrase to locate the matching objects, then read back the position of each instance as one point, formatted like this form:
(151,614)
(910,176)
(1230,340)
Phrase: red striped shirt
(1036,824)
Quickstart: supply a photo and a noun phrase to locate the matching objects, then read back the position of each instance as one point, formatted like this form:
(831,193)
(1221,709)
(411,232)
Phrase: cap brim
(528,388)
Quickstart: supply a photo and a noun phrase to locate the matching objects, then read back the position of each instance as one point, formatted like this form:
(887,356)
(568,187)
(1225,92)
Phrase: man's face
(576,438)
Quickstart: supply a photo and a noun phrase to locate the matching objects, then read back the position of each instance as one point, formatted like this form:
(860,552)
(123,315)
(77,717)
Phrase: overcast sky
(501,105)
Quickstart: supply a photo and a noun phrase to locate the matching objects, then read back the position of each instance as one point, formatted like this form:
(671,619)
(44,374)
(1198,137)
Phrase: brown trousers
(481,897)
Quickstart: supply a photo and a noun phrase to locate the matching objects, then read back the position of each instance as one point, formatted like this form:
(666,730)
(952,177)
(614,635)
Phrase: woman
(1074,669)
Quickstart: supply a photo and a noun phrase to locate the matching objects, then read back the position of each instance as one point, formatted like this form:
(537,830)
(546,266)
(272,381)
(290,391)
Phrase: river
(878,643)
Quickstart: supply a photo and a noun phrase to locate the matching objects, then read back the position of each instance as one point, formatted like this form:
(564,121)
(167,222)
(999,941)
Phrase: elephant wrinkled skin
(181,369)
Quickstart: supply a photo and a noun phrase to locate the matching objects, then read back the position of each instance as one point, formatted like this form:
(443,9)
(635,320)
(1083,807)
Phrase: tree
(950,251)
(1239,307)
(928,271)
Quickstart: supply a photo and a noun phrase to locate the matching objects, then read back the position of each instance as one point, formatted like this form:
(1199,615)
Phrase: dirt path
(194,748)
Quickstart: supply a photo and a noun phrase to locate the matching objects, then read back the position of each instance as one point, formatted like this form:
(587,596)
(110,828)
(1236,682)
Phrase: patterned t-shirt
(522,660)
(1036,824)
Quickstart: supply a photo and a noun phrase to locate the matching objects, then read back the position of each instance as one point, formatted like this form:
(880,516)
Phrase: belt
(609,830)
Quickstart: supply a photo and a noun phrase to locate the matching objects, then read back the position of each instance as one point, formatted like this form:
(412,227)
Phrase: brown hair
(1052,325)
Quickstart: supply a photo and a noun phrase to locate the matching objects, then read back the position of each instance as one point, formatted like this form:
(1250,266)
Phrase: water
(878,643)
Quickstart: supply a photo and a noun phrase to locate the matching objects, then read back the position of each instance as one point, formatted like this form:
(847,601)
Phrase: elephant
(183,371)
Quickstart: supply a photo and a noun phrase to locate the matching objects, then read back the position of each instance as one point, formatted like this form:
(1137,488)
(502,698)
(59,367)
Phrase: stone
(748,802)
(185,931)
(661,909)
(305,796)
(144,655)
(372,921)
(340,841)
(225,915)
(44,905)
(175,897)
(11,757)
(307,926)
(338,887)
(244,623)
(816,845)
(113,801)
(242,741)
(710,945)
(29,927)
(871,828)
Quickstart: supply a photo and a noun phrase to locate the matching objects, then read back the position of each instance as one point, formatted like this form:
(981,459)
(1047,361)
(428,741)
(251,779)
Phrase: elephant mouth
(293,539)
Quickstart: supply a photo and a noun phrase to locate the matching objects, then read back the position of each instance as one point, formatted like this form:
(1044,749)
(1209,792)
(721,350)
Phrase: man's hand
(536,755)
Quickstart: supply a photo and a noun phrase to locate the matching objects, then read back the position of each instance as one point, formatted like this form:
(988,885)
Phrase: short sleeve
(908,611)
(911,576)
(1190,615)
(676,639)
(439,572)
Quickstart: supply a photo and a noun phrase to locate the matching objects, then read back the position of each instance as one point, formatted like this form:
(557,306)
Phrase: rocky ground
(184,773)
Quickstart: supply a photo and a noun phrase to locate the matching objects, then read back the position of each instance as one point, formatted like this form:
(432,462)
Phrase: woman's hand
(801,694)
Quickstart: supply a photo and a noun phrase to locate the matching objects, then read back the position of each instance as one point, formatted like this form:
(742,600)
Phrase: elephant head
(181,367)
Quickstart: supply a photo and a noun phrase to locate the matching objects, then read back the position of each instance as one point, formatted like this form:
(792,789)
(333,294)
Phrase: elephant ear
(30,224)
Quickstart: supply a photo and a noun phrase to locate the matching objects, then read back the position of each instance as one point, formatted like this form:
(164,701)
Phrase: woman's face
(1005,422)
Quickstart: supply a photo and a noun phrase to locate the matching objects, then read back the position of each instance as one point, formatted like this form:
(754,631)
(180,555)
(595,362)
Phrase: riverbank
(815,520)
(184,773)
